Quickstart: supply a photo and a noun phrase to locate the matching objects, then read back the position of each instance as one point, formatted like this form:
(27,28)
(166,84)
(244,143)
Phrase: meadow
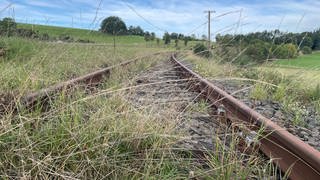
(84,34)
(309,61)
(304,69)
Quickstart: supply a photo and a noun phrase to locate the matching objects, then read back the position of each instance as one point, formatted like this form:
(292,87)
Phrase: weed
(259,92)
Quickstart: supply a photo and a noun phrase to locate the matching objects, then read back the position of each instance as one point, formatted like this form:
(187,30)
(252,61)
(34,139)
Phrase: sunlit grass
(33,65)
(309,61)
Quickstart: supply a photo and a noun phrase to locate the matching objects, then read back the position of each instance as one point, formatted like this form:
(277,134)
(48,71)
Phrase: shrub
(7,26)
(166,38)
(285,51)
(306,50)
(84,41)
(258,51)
(65,38)
(45,37)
(27,33)
(201,49)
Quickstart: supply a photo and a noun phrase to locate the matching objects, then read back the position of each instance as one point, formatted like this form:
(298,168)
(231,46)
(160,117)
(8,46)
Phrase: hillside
(84,34)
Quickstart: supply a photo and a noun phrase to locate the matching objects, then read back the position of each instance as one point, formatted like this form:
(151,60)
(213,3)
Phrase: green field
(311,61)
(83,34)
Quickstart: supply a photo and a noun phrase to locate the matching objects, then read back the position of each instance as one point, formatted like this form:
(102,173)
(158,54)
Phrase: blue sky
(183,16)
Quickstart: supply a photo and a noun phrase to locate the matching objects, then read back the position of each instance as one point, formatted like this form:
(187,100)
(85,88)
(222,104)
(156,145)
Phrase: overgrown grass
(103,136)
(292,91)
(31,65)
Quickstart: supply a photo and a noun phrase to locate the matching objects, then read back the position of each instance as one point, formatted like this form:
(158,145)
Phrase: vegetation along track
(11,103)
(170,89)
(288,151)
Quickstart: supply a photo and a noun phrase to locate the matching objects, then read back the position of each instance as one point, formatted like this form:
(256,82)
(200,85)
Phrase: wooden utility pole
(209,28)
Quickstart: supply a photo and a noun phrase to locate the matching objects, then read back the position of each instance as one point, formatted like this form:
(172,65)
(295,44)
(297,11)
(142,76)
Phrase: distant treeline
(304,39)
(266,45)
(114,25)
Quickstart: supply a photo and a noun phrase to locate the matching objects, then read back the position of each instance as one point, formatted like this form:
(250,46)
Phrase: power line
(146,20)
(227,13)
(198,27)
(6,7)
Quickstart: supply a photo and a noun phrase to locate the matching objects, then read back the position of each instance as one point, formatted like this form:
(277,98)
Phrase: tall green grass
(102,135)
(31,64)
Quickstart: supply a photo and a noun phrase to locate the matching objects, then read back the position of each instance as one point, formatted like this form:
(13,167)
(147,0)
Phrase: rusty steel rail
(29,101)
(289,152)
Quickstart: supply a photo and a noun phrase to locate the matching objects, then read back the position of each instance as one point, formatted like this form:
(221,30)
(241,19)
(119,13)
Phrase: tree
(204,37)
(193,36)
(147,36)
(113,25)
(176,42)
(186,40)
(306,41)
(286,51)
(7,26)
(174,36)
(181,36)
(306,50)
(136,31)
(202,50)
(316,40)
(152,36)
(166,38)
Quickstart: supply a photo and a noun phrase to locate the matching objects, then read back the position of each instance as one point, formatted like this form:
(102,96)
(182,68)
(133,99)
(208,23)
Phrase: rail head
(290,152)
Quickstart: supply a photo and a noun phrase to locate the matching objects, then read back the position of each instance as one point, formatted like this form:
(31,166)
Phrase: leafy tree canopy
(113,25)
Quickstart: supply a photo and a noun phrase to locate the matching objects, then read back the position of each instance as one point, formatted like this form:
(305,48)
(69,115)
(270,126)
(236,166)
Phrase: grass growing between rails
(31,65)
(103,136)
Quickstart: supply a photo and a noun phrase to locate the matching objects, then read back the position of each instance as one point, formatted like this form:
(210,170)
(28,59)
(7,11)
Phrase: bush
(258,51)
(286,51)
(65,38)
(84,41)
(306,50)
(202,50)
(7,26)
(27,33)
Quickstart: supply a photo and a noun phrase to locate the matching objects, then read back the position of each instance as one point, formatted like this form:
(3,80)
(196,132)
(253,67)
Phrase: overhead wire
(142,17)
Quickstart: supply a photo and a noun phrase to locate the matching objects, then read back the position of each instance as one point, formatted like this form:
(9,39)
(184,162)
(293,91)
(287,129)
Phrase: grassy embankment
(101,38)
(31,64)
(294,83)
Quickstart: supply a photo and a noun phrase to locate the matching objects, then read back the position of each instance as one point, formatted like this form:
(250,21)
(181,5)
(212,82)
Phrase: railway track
(287,150)
(180,88)
(10,103)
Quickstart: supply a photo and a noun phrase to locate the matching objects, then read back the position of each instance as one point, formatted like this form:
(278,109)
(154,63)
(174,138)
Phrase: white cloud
(178,16)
